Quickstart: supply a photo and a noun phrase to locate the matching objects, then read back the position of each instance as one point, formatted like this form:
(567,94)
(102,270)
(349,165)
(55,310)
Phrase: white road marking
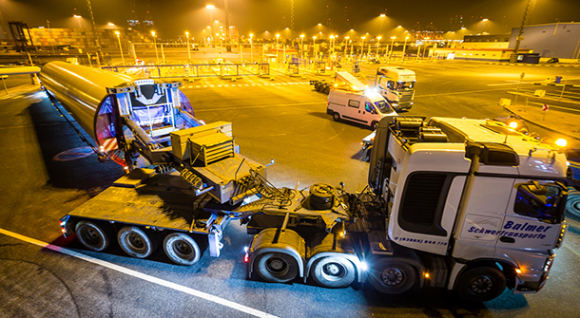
(197,86)
(149,278)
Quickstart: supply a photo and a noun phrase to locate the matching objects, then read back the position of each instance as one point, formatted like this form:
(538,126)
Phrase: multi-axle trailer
(425,220)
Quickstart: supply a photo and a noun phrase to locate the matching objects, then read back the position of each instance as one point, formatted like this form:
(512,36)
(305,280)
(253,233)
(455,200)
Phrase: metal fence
(193,70)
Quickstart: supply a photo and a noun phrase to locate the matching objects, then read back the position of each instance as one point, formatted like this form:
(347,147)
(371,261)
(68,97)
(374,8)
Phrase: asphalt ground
(284,122)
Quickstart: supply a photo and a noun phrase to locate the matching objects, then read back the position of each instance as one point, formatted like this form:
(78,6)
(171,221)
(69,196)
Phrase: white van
(364,108)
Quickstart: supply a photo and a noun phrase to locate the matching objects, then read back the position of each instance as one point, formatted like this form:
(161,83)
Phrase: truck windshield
(383,107)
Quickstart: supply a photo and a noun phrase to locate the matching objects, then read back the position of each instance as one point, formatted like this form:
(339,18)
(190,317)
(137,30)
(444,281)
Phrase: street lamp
(331,44)
(345,46)
(302,45)
(362,45)
(210,7)
(155,43)
(78,17)
(382,20)
(392,40)
(277,37)
(120,48)
(378,44)
(314,46)
(251,49)
(404,47)
(188,51)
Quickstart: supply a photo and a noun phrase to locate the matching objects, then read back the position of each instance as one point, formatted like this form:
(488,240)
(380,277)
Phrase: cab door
(533,219)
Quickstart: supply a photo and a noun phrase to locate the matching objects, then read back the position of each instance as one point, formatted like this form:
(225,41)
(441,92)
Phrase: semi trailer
(461,204)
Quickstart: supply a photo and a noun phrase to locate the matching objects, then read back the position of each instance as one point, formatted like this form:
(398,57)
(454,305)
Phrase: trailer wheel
(481,284)
(181,248)
(276,267)
(392,277)
(135,242)
(333,272)
(336,116)
(92,236)
(573,203)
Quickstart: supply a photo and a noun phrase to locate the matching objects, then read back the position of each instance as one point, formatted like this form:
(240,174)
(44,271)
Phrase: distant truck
(396,85)
(349,99)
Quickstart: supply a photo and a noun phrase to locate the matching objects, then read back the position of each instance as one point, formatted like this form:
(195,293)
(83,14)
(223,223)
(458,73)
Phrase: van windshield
(383,107)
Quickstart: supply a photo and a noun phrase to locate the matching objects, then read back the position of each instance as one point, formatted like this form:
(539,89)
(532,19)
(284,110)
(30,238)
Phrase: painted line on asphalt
(149,278)
(255,106)
(460,93)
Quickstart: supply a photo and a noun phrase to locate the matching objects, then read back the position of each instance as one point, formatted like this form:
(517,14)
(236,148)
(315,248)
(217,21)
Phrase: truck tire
(392,277)
(322,196)
(573,203)
(336,116)
(135,242)
(481,284)
(92,236)
(333,272)
(316,85)
(327,89)
(374,125)
(181,249)
(275,267)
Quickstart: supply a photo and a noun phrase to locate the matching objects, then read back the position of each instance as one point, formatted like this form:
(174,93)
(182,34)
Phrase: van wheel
(374,125)
(336,116)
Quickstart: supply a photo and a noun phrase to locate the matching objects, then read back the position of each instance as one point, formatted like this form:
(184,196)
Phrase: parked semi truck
(397,85)
(461,204)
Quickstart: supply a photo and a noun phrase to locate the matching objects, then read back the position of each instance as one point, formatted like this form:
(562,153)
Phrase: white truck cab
(352,101)
(396,85)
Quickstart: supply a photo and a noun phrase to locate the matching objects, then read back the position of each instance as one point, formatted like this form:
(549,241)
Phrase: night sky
(173,17)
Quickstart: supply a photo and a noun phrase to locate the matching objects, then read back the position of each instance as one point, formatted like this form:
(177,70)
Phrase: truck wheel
(573,203)
(481,284)
(276,267)
(327,89)
(135,242)
(316,86)
(392,277)
(374,125)
(336,116)
(92,236)
(181,248)
(333,272)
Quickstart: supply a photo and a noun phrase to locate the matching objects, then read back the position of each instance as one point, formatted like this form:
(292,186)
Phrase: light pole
(392,41)
(78,17)
(251,49)
(277,37)
(331,49)
(362,45)
(345,46)
(425,47)
(155,43)
(120,48)
(382,20)
(483,25)
(404,47)
(188,51)
(314,46)
(210,7)
(302,45)
(378,44)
